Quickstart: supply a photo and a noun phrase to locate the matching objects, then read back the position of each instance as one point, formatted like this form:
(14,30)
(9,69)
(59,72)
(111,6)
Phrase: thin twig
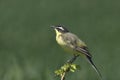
(70,62)
(63,76)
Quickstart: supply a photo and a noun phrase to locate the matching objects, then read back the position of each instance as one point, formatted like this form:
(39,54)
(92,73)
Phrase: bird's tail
(95,68)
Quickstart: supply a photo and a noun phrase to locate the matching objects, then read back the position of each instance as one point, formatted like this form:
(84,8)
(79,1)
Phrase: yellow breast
(60,40)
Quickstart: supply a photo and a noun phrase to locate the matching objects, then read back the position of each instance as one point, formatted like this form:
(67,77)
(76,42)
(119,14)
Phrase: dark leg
(72,59)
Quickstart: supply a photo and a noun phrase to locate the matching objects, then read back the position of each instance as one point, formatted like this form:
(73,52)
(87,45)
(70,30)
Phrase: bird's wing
(84,50)
(70,40)
(75,43)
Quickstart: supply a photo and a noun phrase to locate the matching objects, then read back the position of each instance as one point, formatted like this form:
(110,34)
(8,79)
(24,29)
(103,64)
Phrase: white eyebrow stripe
(61,28)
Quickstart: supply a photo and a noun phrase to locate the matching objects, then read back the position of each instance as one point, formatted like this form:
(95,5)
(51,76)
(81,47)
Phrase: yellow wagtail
(73,44)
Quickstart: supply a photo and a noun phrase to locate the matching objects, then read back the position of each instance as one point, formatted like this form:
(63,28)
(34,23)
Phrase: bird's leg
(72,59)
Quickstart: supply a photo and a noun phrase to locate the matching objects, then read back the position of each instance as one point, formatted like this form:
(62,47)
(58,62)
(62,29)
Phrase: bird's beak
(52,27)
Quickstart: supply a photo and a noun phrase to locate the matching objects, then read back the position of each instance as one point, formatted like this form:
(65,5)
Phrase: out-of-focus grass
(28,50)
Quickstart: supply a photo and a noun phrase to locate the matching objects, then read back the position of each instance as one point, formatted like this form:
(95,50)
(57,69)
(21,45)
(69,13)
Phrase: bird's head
(59,29)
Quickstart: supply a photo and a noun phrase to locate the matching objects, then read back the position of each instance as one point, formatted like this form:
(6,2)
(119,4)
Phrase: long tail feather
(94,67)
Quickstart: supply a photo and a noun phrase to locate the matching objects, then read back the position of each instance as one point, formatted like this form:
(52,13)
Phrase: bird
(70,42)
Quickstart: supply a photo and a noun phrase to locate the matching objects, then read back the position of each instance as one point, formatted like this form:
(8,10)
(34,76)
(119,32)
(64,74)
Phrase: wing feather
(75,43)
(83,50)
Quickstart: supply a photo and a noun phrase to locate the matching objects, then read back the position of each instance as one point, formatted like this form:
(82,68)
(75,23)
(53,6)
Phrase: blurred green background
(28,50)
